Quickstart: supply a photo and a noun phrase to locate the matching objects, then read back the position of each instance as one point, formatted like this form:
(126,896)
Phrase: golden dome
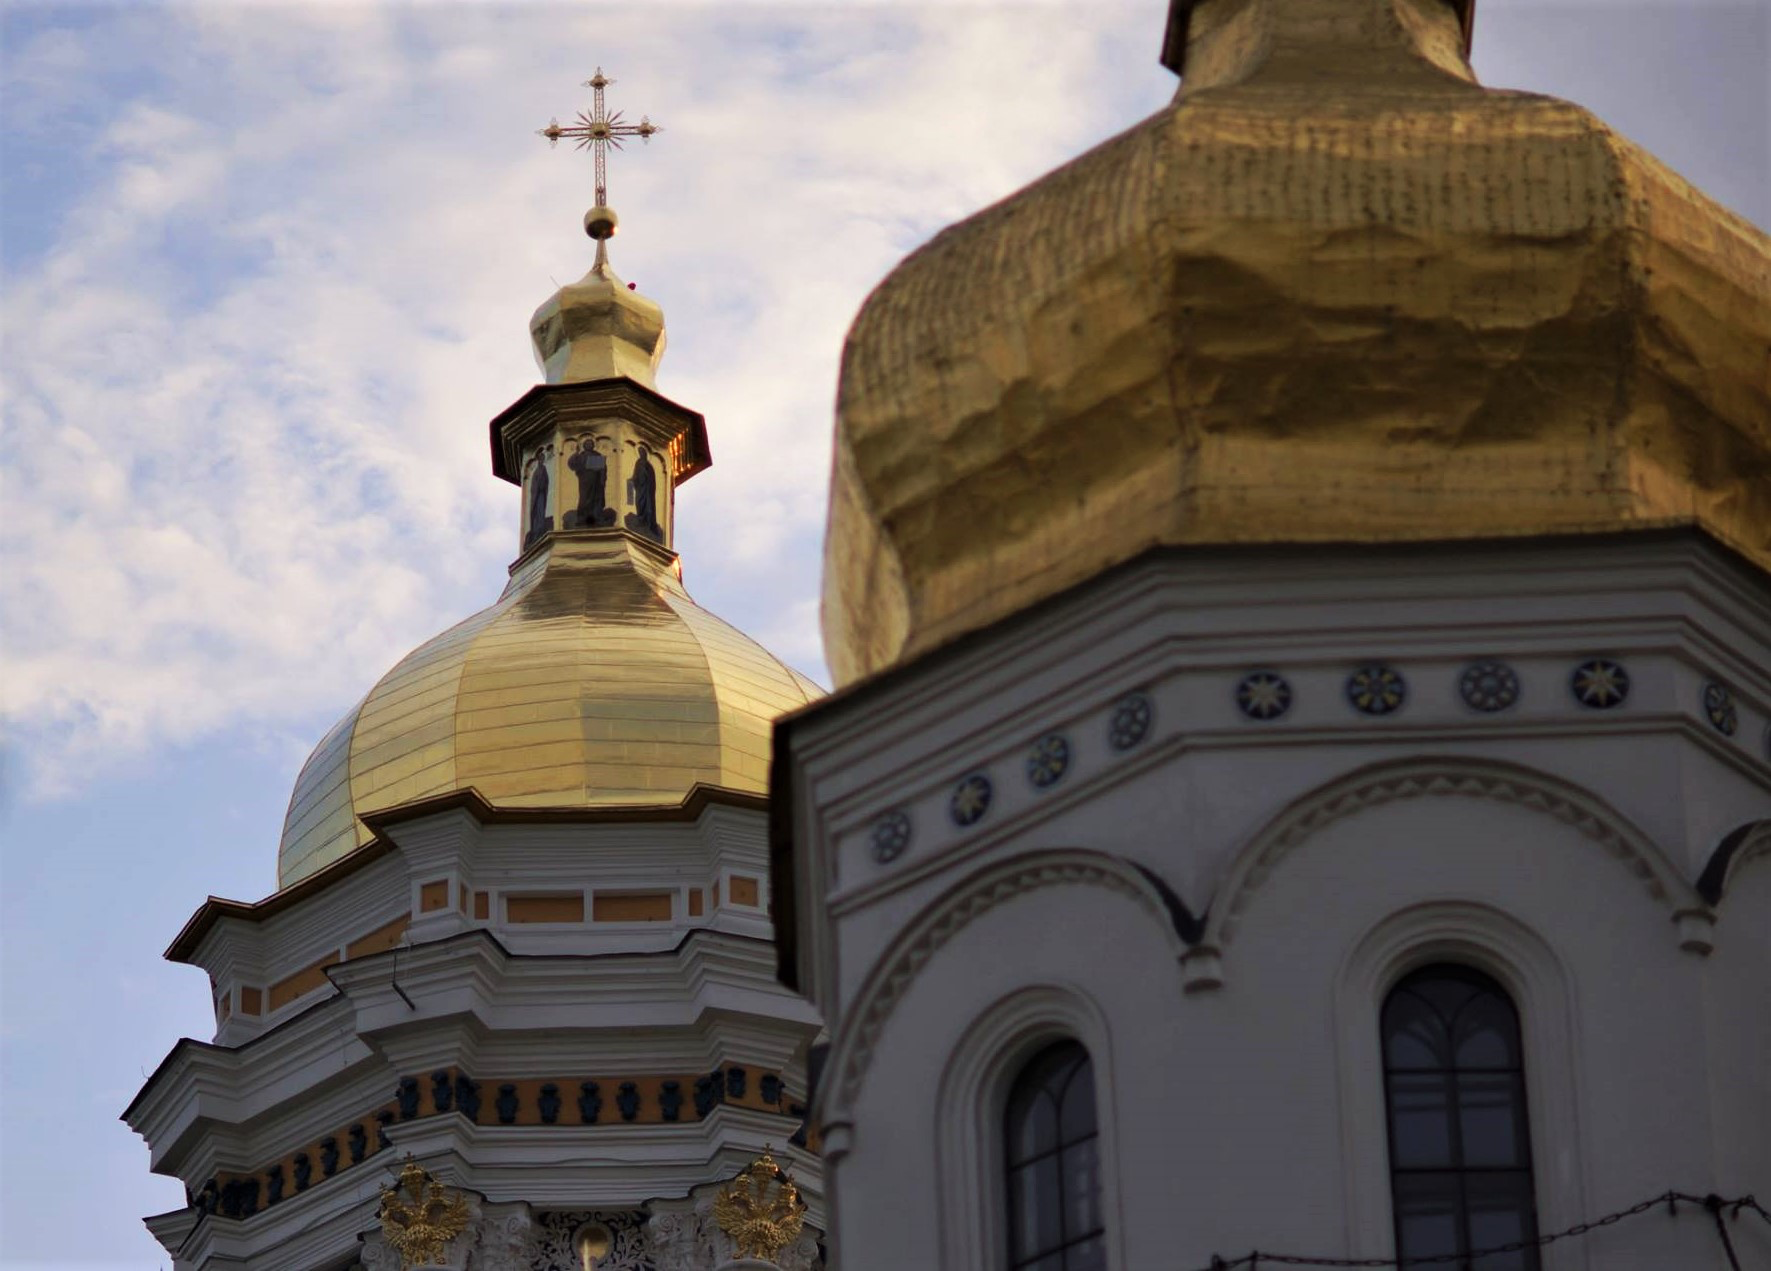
(594,682)
(598,327)
(1337,291)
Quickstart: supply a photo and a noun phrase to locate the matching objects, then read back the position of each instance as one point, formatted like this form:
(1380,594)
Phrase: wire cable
(1712,1204)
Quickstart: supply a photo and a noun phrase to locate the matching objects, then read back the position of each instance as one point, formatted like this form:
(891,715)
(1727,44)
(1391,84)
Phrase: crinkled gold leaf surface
(1336,292)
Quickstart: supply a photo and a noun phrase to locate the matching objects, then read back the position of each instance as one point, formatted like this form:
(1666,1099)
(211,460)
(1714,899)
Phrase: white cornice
(200,1087)
(475,1005)
(1185,626)
(473,975)
(1237,610)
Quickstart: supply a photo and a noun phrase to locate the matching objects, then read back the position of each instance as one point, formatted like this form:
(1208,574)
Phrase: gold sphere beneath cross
(601,222)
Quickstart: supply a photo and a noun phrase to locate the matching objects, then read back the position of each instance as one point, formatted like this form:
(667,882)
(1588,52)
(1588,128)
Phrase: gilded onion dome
(1337,291)
(595,682)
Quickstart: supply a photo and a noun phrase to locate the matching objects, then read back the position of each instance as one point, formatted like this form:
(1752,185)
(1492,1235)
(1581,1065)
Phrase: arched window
(1460,1146)
(1054,1164)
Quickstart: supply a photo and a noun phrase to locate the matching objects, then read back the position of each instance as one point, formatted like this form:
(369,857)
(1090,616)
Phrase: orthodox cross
(599,130)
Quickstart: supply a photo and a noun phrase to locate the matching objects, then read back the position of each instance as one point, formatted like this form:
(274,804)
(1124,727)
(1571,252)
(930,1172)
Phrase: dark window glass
(1052,1153)
(1460,1145)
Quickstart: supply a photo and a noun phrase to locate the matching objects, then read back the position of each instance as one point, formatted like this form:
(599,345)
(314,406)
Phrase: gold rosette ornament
(760,1210)
(419,1216)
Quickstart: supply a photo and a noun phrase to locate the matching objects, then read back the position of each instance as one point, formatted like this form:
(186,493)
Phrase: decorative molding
(504,1238)
(629,1249)
(1488,686)
(1600,684)
(1376,688)
(1736,848)
(970,800)
(699,800)
(1494,780)
(1048,759)
(889,837)
(1263,695)
(1719,708)
(421,1217)
(646,1099)
(760,1210)
(241,1195)
(972,1213)
(1131,719)
(969,899)
(577,403)
(680,1241)
(690,1239)
(499,1237)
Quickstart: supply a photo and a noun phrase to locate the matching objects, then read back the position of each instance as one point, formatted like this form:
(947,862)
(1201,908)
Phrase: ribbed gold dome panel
(1337,292)
(593,682)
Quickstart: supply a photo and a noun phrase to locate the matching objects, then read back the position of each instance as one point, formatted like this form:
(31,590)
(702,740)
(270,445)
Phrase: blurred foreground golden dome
(1336,291)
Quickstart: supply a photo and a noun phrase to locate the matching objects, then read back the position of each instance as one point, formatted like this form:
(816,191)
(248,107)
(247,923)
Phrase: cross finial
(596,132)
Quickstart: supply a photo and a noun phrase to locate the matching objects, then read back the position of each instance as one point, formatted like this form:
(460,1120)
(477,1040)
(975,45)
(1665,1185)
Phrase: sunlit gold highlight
(593,682)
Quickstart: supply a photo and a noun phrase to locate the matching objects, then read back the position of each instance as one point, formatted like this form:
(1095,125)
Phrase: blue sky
(267,273)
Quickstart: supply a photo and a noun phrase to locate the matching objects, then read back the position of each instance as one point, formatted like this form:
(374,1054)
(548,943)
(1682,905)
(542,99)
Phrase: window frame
(1458,1167)
(971,1105)
(1537,980)
(1080,1066)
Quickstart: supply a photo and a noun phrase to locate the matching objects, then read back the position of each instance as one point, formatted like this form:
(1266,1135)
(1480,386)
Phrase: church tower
(1299,582)
(514,1007)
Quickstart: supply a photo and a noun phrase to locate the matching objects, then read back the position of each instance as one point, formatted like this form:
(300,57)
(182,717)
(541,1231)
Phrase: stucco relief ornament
(801,1255)
(1376,690)
(1600,683)
(1488,686)
(760,1210)
(1719,709)
(970,801)
(889,837)
(506,1242)
(1048,761)
(678,1243)
(616,1241)
(419,1216)
(1263,695)
(1130,722)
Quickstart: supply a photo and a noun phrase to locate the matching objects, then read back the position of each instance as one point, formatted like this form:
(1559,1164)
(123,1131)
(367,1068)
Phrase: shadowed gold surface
(593,682)
(1336,292)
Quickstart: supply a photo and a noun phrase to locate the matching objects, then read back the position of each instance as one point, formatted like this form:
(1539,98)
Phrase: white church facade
(1153,819)
(1298,787)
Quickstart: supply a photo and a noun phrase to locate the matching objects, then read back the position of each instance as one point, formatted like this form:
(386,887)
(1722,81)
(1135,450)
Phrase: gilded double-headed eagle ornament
(419,1216)
(760,1210)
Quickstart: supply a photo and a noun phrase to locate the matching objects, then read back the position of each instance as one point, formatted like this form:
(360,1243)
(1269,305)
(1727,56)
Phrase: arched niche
(1248,870)
(966,901)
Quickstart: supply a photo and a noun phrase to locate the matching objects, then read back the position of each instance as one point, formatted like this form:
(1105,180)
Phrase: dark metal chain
(1713,1204)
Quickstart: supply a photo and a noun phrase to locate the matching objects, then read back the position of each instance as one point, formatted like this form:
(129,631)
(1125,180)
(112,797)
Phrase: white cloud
(282,265)
(245,461)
